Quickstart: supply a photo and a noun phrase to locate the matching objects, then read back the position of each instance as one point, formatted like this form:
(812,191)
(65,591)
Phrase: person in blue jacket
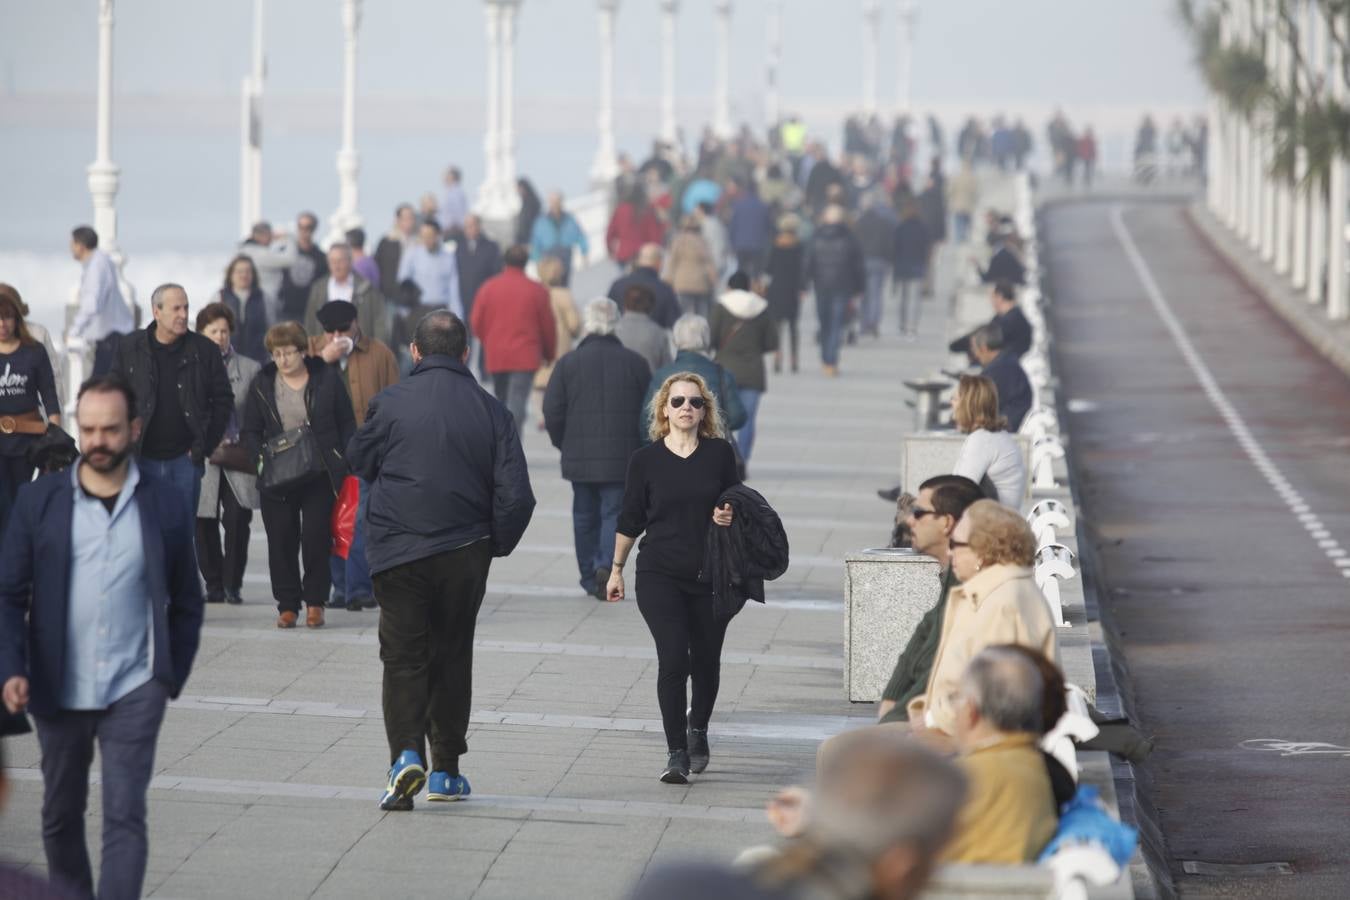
(556,233)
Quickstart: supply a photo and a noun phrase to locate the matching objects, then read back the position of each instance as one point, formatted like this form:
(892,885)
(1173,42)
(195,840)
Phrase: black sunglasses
(918,513)
(695,402)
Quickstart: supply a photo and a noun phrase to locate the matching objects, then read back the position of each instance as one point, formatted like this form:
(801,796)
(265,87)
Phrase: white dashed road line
(1249,444)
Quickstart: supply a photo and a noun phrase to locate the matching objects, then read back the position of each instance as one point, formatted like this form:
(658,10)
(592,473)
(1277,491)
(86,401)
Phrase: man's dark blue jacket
(1013,386)
(35,556)
(445,466)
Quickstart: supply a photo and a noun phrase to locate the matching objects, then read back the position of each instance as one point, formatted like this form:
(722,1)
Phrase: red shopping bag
(344,516)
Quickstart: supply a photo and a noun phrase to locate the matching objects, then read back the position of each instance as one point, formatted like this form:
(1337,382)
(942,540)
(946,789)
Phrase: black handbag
(52,451)
(288,459)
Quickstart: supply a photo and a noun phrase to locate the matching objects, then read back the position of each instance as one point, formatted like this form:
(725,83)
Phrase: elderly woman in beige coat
(566,319)
(690,269)
(997,602)
(227,501)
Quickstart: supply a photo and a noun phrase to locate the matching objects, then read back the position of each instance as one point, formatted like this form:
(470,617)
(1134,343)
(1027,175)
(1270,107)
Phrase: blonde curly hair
(999,535)
(710,427)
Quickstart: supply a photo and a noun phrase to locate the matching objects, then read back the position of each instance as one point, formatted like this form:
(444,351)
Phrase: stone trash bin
(886,593)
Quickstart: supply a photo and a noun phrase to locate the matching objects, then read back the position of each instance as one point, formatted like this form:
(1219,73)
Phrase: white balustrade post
(250,131)
(1285,225)
(104,174)
(1256,182)
(1338,305)
(348,215)
(489,192)
(508,199)
(1317,204)
(906,19)
(1269,193)
(606,165)
(670,129)
(871,16)
(1298,263)
(773,58)
(722,90)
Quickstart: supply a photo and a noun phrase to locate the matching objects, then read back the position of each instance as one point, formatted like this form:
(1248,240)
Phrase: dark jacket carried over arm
(35,581)
(203,389)
(445,466)
(590,403)
(738,559)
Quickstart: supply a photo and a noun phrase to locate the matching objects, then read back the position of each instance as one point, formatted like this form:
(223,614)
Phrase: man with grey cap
(592,400)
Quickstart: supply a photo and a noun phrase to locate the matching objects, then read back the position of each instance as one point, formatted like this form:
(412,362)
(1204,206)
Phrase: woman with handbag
(297,421)
(27,387)
(229,479)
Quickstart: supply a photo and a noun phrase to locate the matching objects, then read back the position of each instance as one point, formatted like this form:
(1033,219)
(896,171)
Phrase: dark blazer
(203,387)
(35,582)
(445,466)
(327,403)
(592,398)
(1013,386)
(667,308)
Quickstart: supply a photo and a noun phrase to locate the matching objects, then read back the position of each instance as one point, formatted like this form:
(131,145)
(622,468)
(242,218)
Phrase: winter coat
(203,386)
(689,265)
(513,318)
(750,228)
(568,321)
(742,332)
(369,303)
(445,466)
(877,233)
(328,410)
(721,382)
(630,228)
(933,210)
(667,308)
(475,266)
(557,237)
(250,322)
(787,279)
(1013,386)
(912,246)
(371,367)
(739,558)
(241,371)
(589,406)
(639,333)
(834,263)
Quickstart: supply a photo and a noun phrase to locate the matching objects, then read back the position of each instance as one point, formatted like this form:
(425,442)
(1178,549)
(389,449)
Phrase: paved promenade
(271,764)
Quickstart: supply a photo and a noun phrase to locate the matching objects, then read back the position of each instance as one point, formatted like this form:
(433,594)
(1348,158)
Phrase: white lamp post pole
(250,128)
(1284,191)
(670,131)
(906,20)
(1317,202)
(104,174)
(606,166)
(871,14)
(1298,263)
(773,110)
(722,95)
(508,198)
(348,213)
(1338,305)
(489,192)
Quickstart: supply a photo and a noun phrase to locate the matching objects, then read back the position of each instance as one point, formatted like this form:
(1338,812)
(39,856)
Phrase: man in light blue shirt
(100,618)
(102,310)
(432,267)
(453,208)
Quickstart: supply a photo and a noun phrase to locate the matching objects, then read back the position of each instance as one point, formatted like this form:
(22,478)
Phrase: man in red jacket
(514,320)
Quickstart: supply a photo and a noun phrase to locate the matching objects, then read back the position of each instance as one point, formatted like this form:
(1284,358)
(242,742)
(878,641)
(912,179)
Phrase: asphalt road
(1213,451)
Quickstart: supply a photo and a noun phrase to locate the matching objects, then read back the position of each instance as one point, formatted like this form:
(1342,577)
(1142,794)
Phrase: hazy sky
(1076,52)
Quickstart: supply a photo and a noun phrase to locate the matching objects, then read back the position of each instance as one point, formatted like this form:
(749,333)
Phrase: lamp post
(104,174)
(871,14)
(606,166)
(250,129)
(1338,305)
(508,199)
(670,132)
(906,21)
(1317,203)
(722,92)
(489,191)
(348,215)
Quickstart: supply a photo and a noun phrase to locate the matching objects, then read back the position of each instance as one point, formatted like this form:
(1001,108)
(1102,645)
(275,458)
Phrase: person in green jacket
(941,502)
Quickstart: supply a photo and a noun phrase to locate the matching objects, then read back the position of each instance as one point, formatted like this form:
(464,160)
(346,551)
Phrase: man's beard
(106,460)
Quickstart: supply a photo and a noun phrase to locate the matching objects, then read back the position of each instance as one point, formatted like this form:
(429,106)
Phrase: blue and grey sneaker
(444,787)
(406,777)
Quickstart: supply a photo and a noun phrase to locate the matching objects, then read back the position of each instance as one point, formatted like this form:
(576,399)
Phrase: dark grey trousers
(126,733)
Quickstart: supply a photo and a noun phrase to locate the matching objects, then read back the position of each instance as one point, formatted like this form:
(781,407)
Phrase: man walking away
(103,314)
(590,404)
(100,615)
(449,491)
(834,266)
(514,320)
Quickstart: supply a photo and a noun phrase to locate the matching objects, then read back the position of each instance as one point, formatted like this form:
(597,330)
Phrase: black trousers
(299,530)
(688,638)
(428,610)
(15,472)
(224,571)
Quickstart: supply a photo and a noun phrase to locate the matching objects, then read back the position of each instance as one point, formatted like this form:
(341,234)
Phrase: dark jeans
(15,472)
(595,515)
(224,571)
(911,305)
(126,733)
(428,610)
(182,473)
(698,304)
(299,530)
(351,576)
(874,295)
(830,310)
(750,262)
(688,638)
(513,389)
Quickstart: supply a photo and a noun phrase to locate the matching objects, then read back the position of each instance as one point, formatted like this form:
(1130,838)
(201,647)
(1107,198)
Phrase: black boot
(698,750)
(677,768)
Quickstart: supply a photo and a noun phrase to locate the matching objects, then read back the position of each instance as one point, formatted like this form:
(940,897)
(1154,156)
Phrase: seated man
(1001,367)
(1009,815)
(997,602)
(942,500)
(1008,316)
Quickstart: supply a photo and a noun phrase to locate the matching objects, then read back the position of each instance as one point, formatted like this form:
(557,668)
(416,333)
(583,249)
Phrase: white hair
(599,316)
(691,332)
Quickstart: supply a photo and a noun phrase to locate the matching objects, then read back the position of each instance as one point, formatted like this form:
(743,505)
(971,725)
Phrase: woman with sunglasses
(670,494)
